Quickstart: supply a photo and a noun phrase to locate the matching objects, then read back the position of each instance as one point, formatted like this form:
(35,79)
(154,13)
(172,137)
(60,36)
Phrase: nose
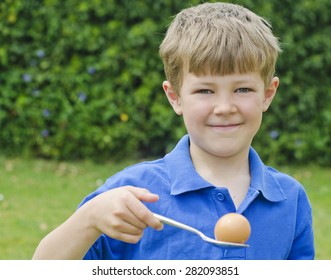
(224,104)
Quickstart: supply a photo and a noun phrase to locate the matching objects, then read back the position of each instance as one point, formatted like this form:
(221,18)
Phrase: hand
(120,214)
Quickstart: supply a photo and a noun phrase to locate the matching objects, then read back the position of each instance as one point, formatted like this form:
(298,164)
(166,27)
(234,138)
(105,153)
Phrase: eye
(243,90)
(205,91)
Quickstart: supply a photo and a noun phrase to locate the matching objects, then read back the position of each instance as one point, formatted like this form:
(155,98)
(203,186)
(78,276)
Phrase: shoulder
(292,188)
(281,176)
(145,167)
(286,180)
(274,184)
(143,174)
(148,174)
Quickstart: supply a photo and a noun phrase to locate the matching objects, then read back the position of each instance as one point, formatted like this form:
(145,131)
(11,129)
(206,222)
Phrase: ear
(270,93)
(173,97)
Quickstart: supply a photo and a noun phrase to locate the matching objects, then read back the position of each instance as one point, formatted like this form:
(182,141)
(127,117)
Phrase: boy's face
(222,114)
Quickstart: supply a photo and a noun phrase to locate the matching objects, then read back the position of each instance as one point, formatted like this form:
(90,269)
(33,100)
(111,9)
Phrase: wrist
(88,225)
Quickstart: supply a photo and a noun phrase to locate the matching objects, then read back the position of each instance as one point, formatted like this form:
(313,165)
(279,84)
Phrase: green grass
(37,195)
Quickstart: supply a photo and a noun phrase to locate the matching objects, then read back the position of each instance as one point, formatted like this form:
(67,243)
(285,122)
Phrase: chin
(227,153)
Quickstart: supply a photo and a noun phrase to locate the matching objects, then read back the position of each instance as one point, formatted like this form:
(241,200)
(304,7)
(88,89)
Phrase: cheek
(251,109)
(196,110)
(253,112)
(194,114)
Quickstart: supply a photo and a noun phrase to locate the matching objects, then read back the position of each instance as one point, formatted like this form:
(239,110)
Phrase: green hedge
(82,79)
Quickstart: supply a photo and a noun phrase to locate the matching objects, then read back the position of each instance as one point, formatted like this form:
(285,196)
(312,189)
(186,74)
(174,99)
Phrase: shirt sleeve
(106,248)
(303,245)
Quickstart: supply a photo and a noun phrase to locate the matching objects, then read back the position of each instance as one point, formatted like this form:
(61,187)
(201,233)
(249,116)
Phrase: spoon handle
(171,222)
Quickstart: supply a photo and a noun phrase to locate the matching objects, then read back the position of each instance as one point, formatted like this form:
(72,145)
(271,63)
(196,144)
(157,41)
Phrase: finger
(143,194)
(140,211)
(147,217)
(129,238)
(127,205)
(127,228)
(124,231)
(125,219)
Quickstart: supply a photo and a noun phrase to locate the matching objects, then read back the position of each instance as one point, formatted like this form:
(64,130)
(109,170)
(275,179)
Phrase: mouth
(224,127)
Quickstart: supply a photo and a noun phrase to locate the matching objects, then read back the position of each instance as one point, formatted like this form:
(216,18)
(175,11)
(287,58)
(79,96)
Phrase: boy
(219,61)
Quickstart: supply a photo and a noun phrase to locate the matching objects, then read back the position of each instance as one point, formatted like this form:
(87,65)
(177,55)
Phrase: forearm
(71,240)
(118,213)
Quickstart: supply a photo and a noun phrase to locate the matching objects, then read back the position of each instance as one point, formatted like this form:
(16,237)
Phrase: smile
(224,127)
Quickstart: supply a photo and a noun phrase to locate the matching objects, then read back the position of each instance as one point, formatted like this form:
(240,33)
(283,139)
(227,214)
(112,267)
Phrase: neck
(220,167)
(230,172)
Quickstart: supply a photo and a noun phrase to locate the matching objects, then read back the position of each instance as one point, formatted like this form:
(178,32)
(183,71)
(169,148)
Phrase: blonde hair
(219,39)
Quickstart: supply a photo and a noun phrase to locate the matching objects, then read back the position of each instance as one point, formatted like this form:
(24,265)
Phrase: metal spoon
(174,223)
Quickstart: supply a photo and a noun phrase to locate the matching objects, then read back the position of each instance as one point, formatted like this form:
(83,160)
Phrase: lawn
(37,195)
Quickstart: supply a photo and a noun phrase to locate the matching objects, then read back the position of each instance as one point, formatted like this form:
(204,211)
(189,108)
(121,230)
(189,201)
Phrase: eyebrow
(242,81)
(203,84)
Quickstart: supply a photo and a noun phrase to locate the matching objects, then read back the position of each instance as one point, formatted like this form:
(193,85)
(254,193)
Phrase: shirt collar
(263,179)
(184,177)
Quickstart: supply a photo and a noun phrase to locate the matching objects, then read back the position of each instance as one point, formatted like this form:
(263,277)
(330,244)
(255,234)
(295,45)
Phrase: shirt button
(220,197)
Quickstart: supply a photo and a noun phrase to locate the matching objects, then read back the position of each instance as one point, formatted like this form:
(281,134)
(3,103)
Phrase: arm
(119,213)
(303,244)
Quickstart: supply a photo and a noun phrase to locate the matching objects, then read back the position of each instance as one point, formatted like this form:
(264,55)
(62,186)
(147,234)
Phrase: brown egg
(232,227)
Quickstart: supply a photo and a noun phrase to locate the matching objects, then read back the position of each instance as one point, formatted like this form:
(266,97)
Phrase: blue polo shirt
(276,206)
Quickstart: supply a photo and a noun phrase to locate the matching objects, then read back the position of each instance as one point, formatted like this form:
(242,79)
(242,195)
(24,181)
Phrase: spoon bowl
(215,242)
